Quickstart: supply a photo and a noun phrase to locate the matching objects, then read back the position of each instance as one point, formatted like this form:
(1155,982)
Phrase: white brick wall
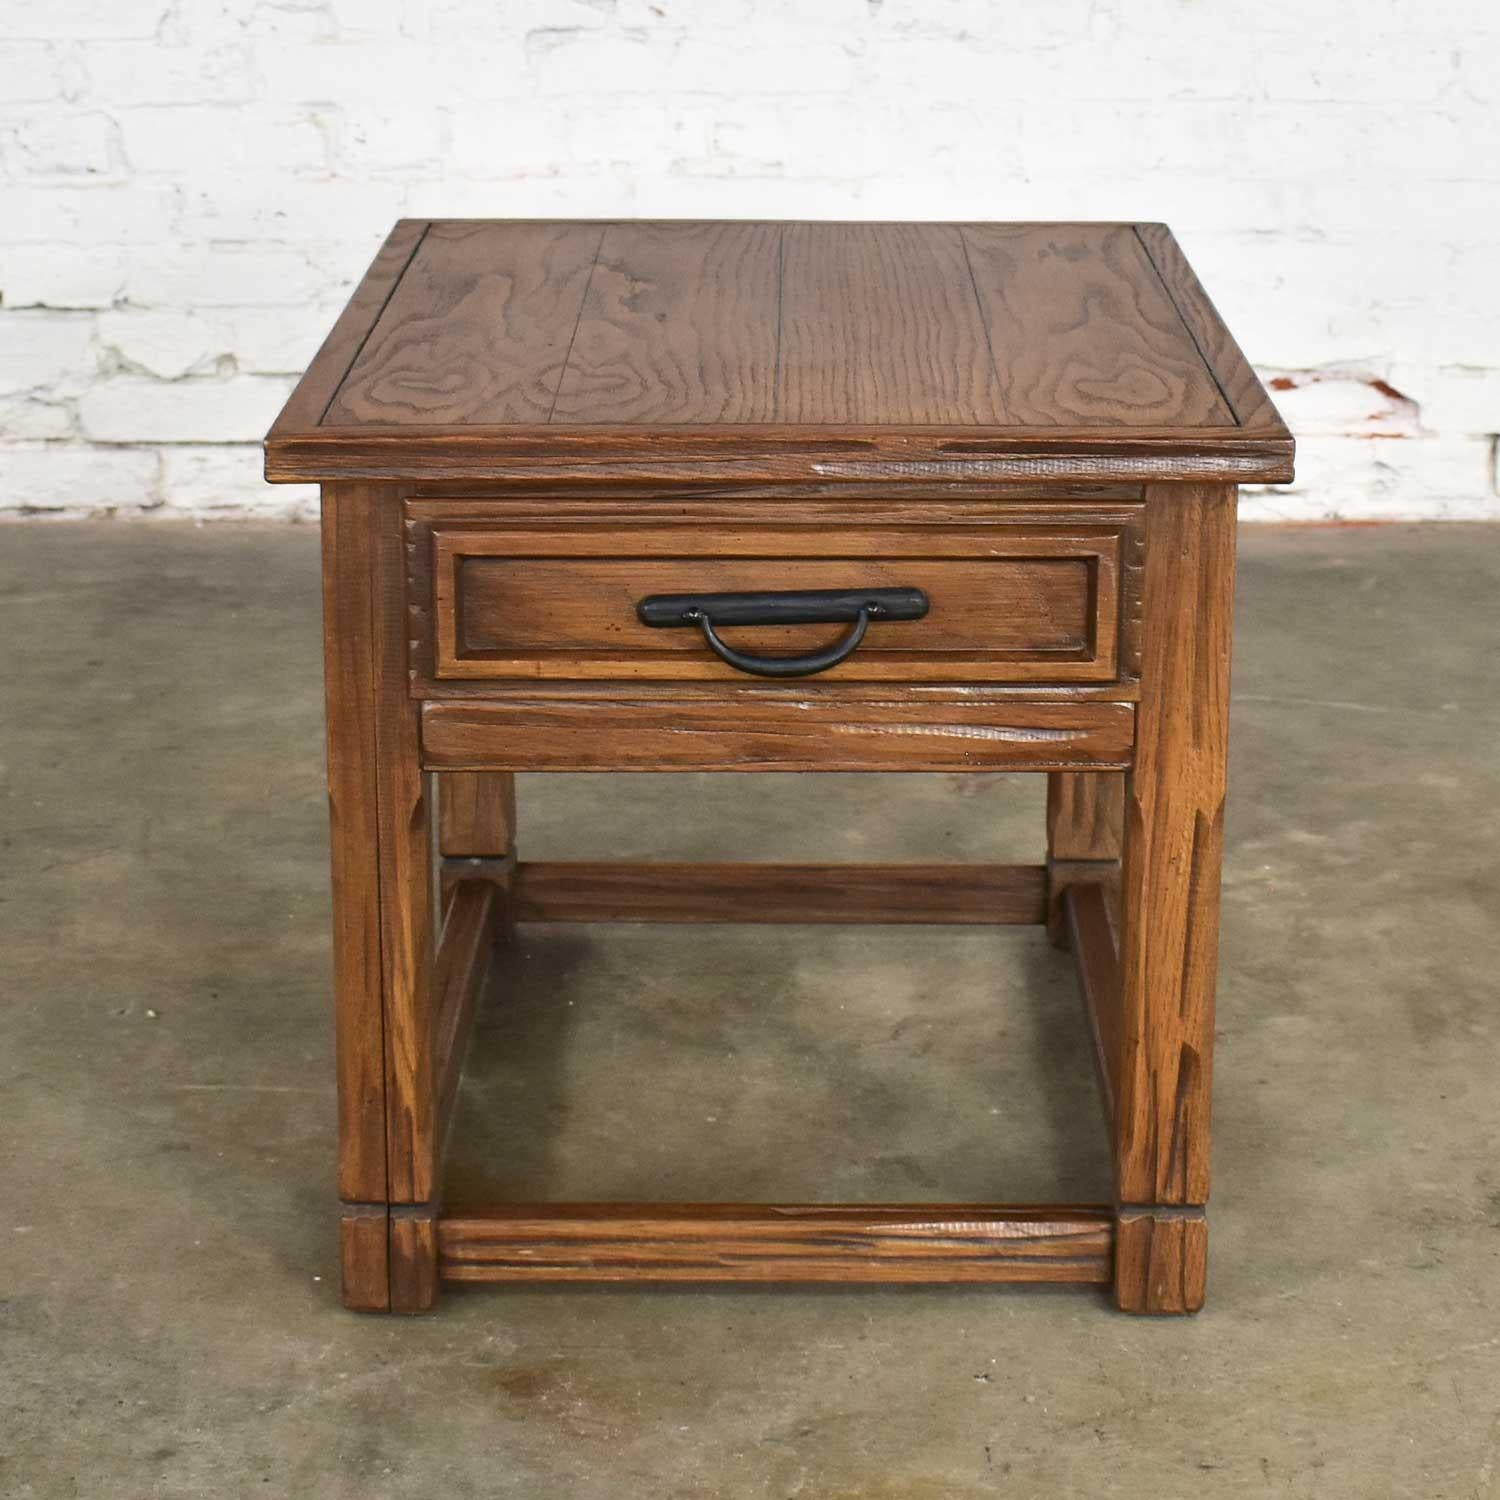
(188,189)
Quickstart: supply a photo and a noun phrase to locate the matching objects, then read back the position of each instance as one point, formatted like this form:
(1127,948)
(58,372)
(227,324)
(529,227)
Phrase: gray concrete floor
(169,1322)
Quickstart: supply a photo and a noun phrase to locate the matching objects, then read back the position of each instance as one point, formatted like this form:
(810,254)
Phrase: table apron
(796,734)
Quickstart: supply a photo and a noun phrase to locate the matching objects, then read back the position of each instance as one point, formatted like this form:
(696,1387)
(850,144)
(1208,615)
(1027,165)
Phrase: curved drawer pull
(787,607)
(787,666)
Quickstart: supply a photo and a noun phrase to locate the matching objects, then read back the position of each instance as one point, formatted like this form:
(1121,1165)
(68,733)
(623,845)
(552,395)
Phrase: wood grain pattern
(1091,935)
(1085,828)
(879,325)
(679,325)
(408,918)
(1174,832)
(538,422)
(1161,1260)
(1232,373)
(414,1260)
(1013,605)
(769,1242)
(699,892)
(773,543)
(349,654)
(663,459)
(309,402)
(787,734)
(750,690)
(470,929)
(514,607)
(1084,331)
(478,329)
(1132,596)
(837,503)
(477,815)
(669,353)
(364,1269)
(999,533)
(1085,816)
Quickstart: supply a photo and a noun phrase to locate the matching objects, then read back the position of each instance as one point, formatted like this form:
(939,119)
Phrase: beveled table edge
(779,455)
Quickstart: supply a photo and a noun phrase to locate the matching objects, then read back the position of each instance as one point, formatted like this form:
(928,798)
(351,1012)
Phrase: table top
(757,351)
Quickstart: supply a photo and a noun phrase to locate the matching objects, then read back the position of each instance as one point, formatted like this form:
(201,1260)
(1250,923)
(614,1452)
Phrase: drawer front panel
(526,602)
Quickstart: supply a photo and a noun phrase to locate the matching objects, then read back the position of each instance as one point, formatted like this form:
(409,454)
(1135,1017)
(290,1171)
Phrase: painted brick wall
(188,189)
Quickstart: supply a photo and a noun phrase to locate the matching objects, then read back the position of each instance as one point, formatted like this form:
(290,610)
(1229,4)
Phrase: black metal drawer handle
(787,607)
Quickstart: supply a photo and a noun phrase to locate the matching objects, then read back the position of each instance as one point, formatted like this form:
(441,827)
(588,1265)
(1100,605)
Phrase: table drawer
(1007,603)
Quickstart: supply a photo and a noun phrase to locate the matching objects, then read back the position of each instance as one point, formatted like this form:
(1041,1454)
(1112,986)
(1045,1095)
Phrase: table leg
(408,926)
(1085,818)
(349,572)
(384,918)
(1174,808)
(477,822)
(477,817)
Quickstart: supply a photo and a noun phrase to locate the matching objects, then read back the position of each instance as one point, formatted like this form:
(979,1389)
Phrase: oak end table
(742,496)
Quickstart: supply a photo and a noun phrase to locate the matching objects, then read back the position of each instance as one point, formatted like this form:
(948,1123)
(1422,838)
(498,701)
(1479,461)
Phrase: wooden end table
(747,496)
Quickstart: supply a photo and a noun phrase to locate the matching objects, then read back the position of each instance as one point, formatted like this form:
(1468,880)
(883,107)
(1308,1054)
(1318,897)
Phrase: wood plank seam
(304,406)
(562,369)
(780,308)
(1249,398)
(1208,364)
(989,337)
(374,322)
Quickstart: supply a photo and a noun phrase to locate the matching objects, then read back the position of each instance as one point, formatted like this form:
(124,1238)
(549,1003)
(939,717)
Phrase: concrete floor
(169,1323)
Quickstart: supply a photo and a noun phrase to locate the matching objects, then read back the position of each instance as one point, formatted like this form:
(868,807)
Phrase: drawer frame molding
(444,538)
